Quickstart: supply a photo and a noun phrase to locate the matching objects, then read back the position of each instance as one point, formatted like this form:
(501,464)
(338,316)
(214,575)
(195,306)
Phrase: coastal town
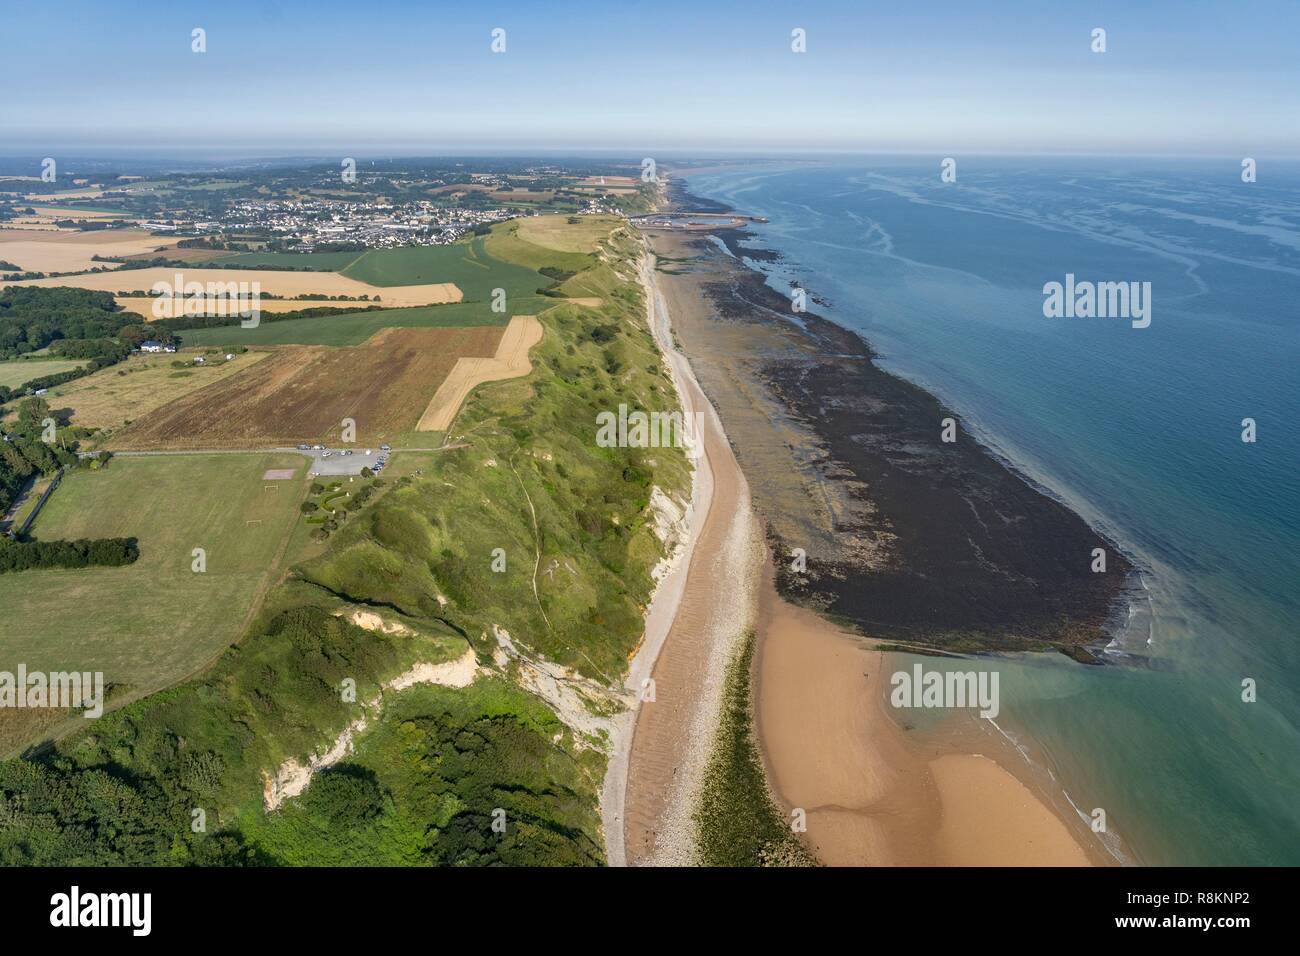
(308,223)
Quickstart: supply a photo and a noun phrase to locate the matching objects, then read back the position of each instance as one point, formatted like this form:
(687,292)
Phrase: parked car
(385,447)
(326,454)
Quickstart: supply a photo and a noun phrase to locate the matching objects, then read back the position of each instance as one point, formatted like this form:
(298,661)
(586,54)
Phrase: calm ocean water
(1140,430)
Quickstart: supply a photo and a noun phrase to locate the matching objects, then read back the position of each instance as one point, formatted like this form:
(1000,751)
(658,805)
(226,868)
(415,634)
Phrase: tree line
(82,553)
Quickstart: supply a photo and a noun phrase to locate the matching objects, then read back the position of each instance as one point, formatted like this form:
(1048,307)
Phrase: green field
(151,623)
(351,328)
(308,261)
(468,264)
(506,243)
(15,373)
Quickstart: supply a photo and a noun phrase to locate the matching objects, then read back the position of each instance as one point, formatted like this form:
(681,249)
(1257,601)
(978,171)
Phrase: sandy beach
(874,793)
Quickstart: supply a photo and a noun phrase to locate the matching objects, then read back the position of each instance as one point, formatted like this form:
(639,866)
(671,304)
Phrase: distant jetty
(694,220)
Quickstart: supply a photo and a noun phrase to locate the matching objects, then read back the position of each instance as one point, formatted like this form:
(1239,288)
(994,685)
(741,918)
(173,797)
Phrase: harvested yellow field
(272,282)
(117,238)
(169,310)
(88,193)
(130,390)
(60,212)
(510,361)
(31,227)
(73,250)
(556,232)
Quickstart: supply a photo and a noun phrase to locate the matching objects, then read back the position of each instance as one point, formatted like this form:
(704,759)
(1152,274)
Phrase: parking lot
(347,461)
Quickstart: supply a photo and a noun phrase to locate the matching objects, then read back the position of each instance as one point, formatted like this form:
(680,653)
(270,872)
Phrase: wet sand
(874,792)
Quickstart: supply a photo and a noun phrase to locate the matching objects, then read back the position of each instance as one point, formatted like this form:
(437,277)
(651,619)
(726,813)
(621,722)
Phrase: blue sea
(1138,429)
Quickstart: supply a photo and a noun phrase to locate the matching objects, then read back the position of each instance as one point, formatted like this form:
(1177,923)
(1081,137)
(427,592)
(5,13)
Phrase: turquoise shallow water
(1138,429)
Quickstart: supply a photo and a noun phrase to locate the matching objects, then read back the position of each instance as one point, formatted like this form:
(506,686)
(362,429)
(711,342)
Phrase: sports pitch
(150,624)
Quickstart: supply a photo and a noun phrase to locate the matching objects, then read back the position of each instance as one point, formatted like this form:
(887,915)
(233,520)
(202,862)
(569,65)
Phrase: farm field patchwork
(147,625)
(466,263)
(131,389)
(313,261)
(272,282)
(144,306)
(303,393)
(81,212)
(348,328)
(509,361)
(476,268)
(60,250)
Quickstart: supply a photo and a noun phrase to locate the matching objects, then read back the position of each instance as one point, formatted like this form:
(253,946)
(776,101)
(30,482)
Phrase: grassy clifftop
(430,769)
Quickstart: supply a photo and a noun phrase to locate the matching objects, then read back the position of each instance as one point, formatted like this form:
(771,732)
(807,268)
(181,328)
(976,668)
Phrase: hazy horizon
(405,78)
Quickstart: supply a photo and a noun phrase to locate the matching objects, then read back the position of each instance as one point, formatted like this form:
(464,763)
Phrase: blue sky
(654,77)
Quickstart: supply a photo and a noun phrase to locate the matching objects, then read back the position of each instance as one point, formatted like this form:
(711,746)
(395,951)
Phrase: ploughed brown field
(302,393)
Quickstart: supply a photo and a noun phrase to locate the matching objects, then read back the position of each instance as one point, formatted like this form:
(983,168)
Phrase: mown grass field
(151,623)
(15,372)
